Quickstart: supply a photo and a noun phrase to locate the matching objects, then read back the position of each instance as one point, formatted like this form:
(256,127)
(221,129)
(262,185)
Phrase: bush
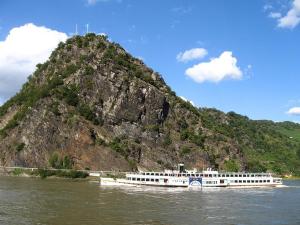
(85,111)
(89,71)
(20,147)
(44,173)
(152,127)
(167,141)
(197,139)
(116,144)
(57,162)
(184,134)
(231,166)
(185,151)
(17,172)
(70,94)
(70,69)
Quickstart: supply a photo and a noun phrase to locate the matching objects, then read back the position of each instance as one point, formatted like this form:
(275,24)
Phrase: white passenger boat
(185,178)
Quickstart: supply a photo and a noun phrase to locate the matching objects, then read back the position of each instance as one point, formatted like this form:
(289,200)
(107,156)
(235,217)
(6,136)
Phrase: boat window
(244,175)
(147,179)
(235,181)
(201,175)
(252,175)
(252,181)
(166,174)
(260,181)
(248,181)
(152,174)
(161,174)
(143,173)
(133,178)
(240,181)
(244,181)
(235,175)
(256,181)
(143,179)
(152,180)
(240,175)
(231,175)
(268,181)
(227,175)
(156,180)
(138,179)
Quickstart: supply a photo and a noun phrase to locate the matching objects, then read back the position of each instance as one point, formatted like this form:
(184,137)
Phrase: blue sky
(250,64)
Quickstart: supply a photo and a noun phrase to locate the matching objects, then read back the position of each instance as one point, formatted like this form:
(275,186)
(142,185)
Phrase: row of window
(250,181)
(207,182)
(211,182)
(142,179)
(205,175)
(152,180)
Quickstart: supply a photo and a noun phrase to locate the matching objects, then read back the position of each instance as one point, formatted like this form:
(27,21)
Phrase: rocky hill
(94,106)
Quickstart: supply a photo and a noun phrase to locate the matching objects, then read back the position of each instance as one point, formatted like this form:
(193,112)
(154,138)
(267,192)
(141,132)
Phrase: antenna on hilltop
(87,28)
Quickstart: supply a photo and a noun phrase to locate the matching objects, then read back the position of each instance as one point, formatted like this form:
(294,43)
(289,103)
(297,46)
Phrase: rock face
(92,105)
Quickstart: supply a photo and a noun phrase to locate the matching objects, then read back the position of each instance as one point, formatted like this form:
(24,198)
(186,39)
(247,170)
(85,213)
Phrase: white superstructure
(207,178)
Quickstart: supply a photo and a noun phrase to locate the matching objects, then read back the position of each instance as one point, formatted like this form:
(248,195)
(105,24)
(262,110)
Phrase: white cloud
(275,15)
(185,99)
(23,48)
(217,69)
(192,54)
(295,111)
(292,18)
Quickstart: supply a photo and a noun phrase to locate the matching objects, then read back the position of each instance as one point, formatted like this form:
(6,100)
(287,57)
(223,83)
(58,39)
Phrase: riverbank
(45,173)
(59,173)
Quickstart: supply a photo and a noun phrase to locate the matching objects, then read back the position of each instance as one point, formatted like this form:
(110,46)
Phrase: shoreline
(44,173)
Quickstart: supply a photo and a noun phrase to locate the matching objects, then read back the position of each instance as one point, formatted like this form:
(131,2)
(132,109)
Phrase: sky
(232,55)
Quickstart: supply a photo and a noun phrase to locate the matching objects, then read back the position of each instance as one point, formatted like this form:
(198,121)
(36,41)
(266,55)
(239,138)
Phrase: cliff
(94,106)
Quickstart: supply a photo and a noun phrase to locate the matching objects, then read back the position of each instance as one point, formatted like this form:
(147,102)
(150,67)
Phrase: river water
(32,201)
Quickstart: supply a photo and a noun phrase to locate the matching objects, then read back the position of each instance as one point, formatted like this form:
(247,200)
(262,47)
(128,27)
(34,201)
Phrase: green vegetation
(184,151)
(194,138)
(73,174)
(167,141)
(58,162)
(18,172)
(289,129)
(85,111)
(70,69)
(152,127)
(265,145)
(20,147)
(117,145)
(231,166)
(44,173)
(70,94)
